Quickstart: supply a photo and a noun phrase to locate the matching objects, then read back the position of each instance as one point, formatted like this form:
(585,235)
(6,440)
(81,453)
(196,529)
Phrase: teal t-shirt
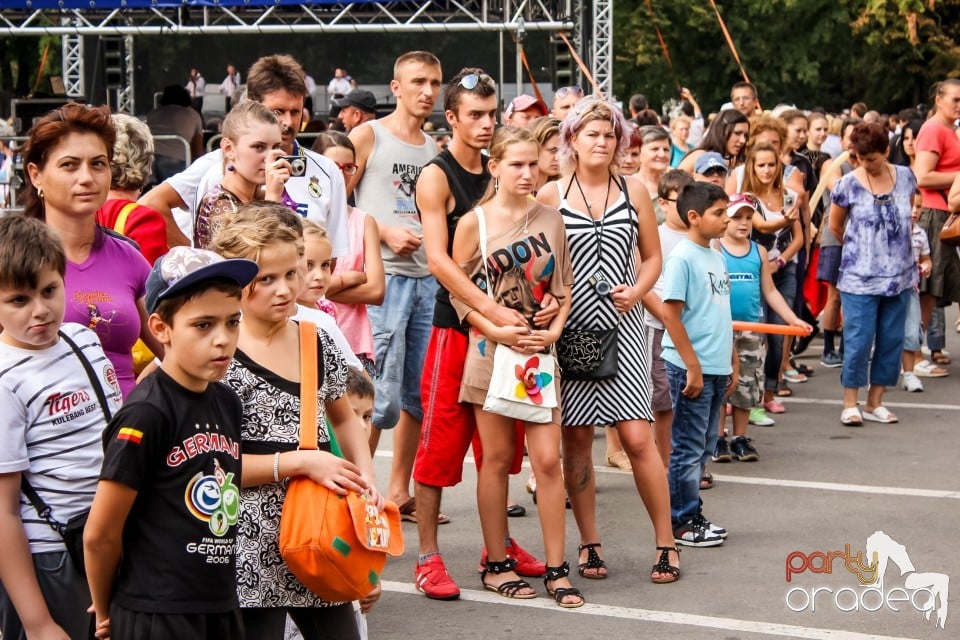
(697,276)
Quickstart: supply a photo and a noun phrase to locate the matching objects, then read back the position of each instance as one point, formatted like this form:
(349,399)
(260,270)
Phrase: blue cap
(709,160)
(182,267)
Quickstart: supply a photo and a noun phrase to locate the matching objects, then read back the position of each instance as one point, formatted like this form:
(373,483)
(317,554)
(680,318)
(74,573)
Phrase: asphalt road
(817,487)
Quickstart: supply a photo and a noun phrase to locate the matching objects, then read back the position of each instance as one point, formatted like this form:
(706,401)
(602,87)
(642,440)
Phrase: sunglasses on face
(715,171)
(563,92)
(472,80)
(348,168)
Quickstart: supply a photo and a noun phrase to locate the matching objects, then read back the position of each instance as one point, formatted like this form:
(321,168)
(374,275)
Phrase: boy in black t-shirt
(159,542)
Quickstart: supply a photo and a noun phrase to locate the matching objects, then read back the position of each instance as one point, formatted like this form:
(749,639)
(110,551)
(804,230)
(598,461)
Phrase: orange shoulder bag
(335,545)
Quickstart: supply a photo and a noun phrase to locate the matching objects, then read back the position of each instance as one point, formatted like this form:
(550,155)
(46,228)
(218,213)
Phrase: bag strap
(308,385)
(43,509)
(94,380)
(482,232)
(125,212)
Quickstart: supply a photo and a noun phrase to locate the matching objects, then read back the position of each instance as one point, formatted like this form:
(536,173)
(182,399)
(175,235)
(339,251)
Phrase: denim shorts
(828,267)
(401,330)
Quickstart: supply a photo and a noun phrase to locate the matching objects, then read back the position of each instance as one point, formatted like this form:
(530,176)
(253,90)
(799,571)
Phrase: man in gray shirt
(390,153)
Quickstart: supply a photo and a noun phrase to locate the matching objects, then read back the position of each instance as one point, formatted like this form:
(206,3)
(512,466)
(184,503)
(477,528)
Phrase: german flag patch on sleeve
(130,434)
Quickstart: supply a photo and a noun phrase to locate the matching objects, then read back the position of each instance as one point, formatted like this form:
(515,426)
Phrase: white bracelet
(276,467)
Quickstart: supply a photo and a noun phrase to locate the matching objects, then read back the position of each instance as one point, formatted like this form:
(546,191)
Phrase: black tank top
(467,188)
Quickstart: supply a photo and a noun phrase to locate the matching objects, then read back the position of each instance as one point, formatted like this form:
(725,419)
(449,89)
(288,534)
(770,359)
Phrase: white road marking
(905,405)
(792,484)
(647,615)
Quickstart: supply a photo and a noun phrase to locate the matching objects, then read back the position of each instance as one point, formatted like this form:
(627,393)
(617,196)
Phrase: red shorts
(449,426)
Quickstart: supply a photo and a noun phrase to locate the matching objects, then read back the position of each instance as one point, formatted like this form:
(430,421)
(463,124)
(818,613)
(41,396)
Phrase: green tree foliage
(827,53)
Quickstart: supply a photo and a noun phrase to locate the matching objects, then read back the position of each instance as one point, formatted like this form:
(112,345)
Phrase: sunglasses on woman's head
(471,80)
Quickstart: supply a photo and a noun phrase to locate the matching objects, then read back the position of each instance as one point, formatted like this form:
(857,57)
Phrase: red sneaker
(527,565)
(432,580)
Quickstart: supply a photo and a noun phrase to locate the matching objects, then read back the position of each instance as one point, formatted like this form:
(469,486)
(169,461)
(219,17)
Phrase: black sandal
(663,566)
(558,594)
(509,588)
(594,561)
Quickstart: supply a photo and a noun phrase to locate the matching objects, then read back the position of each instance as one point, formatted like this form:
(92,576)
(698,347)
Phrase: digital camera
(298,165)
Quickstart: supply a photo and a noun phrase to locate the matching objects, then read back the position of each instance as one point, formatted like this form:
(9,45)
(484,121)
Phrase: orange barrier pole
(583,67)
(766,327)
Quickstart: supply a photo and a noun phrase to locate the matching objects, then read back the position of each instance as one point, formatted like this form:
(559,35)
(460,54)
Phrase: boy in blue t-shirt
(751,276)
(698,350)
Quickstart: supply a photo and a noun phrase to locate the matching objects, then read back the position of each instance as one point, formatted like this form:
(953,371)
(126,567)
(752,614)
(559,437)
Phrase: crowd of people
(151,340)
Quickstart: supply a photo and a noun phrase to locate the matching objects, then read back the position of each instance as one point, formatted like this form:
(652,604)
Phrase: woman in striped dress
(609,222)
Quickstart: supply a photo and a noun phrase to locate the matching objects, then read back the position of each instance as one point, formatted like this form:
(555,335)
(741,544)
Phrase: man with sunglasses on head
(447,189)
(277,82)
(563,100)
(390,154)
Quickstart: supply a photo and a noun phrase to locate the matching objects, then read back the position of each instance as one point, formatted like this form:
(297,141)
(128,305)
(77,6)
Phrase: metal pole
(521,35)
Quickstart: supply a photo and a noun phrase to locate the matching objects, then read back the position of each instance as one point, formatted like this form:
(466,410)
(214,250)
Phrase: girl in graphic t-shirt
(531,238)
(254,168)
(265,373)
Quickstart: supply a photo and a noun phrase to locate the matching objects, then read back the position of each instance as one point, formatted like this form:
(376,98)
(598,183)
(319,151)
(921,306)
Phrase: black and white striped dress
(607,246)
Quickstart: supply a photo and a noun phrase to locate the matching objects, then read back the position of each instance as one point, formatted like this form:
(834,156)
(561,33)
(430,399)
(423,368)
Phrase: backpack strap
(125,212)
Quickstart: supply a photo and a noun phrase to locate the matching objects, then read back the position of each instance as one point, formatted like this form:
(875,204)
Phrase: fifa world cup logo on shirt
(214,499)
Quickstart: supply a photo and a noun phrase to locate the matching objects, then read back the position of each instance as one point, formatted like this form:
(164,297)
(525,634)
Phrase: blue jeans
(694,437)
(401,330)
(875,322)
(936,332)
(785,280)
(912,331)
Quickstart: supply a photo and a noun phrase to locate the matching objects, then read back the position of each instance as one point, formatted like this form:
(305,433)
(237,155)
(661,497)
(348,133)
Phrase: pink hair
(586,110)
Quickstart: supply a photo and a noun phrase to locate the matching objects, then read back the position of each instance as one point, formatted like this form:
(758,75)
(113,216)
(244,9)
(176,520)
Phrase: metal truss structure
(73,19)
(602,46)
(185,17)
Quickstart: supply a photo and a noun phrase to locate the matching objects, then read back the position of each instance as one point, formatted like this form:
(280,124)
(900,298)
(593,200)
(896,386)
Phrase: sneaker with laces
(911,382)
(742,450)
(722,451)
(831,360)
(527,565)
(715,528)
(695,534)
(432,580)
(759,417)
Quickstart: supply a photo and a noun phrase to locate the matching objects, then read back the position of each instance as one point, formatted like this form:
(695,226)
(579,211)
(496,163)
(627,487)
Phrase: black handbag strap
(94,380)
(43,509)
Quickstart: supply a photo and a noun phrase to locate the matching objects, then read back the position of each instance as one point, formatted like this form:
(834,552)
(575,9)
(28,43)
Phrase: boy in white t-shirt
(50,429)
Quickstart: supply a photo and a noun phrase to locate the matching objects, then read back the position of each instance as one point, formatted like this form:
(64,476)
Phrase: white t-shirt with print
(51,427)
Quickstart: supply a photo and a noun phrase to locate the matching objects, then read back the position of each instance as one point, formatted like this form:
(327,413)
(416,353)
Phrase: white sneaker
(927,369)
(911,382)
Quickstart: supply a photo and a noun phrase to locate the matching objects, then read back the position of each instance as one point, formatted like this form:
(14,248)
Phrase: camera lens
(603,287)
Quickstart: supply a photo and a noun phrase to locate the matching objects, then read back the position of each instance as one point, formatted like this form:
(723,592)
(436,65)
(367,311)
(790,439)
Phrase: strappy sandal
(663,566)
(594,561)
(558,594)
(509,588)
